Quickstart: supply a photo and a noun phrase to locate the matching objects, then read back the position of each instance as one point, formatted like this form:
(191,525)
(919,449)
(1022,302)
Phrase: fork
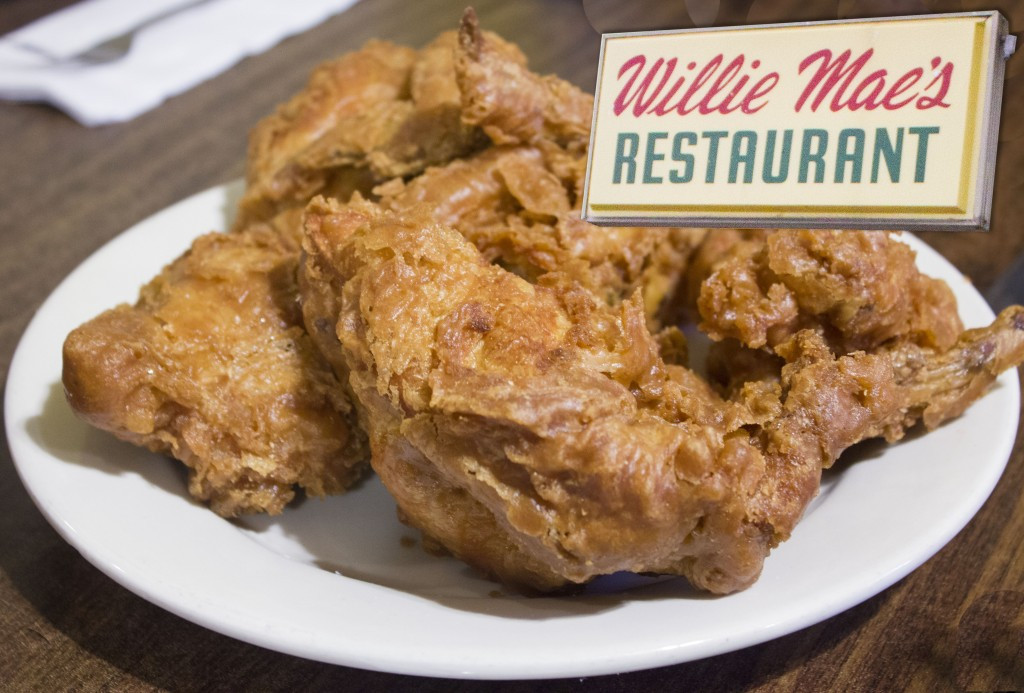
(111,49)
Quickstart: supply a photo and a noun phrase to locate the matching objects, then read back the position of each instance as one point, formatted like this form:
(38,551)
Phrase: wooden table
(955,623)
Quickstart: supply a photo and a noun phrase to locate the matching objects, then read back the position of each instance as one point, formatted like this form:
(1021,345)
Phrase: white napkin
(168,56)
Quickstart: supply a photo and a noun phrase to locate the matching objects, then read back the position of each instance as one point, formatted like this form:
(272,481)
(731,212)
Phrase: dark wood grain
(957,623)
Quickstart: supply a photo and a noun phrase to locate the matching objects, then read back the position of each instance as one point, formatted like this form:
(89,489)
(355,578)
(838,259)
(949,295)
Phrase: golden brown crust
(512,104)
(514,204)
(377,113)
(862,288)
(212,366)
(339,89)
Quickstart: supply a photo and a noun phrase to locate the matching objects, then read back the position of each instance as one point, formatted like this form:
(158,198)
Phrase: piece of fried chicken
(512,104)
(519,203)
(338,91)
(861,288)
(511,203)
(861,291)
(370,115)
(212,365)
(538,435)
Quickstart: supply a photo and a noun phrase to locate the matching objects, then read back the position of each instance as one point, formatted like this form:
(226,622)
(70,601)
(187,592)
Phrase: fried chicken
(538,435)
(510,202)
(377,113)
(516,373)
(338,91)
(382,111)
(512,104)
(213,366)
(518,406)
(862,288)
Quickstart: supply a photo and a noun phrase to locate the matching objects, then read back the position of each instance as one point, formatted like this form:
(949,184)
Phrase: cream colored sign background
(899,46)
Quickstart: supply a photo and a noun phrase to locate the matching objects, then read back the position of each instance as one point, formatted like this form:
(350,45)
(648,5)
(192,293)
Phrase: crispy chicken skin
(512,104)
(863,289)
(373,114)
(338,91)
(212,366)
(512,204)
(487,395)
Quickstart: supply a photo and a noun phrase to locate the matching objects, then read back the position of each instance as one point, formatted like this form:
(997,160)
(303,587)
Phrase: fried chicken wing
(212,366)
(941,384)
(860,291)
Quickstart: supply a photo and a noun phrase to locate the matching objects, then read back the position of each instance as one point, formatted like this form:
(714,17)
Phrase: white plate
(341,581)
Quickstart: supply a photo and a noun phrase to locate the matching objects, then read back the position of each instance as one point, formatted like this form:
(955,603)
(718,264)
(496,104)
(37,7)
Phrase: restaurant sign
(888,123)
